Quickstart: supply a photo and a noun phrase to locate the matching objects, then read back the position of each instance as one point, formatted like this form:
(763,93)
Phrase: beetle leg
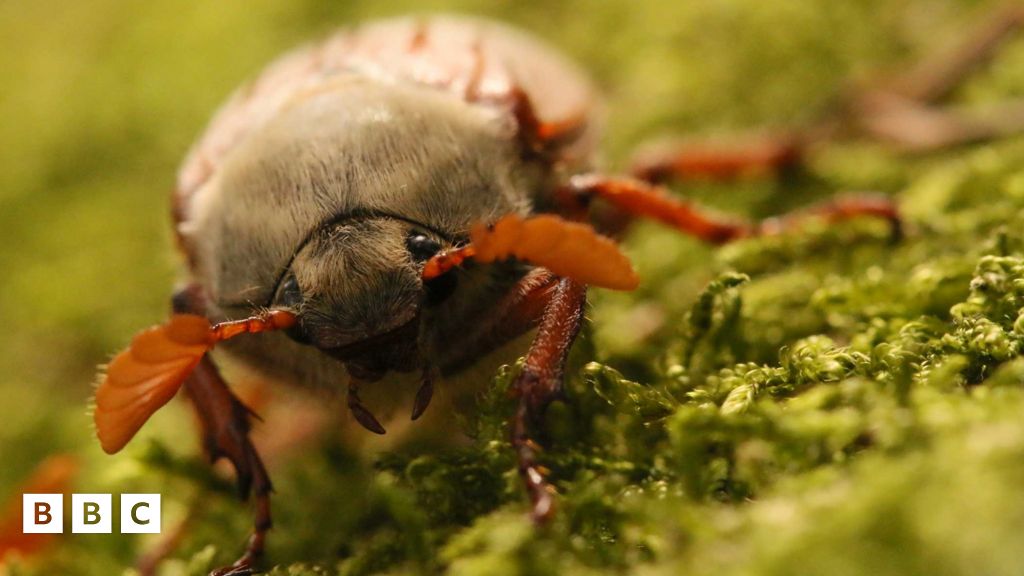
(557,305)
(639,198)
(518,312)
(936,77)
(906,112)
(837,209)
(540,382)
(541,136)
(901,111)
(915,127)
(761,154)
(225,425)
(538,136)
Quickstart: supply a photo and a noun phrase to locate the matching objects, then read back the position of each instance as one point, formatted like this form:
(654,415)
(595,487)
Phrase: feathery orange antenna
(141,379)
(567,249)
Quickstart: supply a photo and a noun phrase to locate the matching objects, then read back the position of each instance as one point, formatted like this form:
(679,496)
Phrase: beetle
(404,197)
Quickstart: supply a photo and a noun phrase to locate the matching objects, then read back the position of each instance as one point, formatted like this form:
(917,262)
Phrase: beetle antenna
(568,249)
(141,379)
(265,321)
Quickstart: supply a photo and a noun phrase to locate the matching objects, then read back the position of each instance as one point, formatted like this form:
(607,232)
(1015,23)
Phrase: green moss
(822,402)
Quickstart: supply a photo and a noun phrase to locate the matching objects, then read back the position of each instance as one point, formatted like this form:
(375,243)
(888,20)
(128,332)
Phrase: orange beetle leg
(541,136)
(837,209)
(761,155)
(638,198)
(540,382)
(225,428)
(225,423)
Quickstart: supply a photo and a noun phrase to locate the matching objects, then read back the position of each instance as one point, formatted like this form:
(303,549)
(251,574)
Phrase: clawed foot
(225,427)
(245,565)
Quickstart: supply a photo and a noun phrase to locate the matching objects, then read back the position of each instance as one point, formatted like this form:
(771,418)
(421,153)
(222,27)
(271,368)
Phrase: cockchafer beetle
(410,194)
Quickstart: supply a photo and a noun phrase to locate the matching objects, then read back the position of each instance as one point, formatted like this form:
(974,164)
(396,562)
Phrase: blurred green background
(101,99)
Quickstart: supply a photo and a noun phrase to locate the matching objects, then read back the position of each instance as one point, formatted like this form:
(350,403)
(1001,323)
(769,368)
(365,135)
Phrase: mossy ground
(826,402)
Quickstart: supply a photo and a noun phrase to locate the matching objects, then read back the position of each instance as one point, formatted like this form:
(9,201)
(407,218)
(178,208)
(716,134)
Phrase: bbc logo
(90,514)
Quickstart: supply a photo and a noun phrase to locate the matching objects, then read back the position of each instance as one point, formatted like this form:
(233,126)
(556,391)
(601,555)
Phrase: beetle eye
(421,247)
(289,295)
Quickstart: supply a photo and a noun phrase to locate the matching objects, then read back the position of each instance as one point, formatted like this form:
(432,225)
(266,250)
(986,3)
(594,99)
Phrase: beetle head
(356,287)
